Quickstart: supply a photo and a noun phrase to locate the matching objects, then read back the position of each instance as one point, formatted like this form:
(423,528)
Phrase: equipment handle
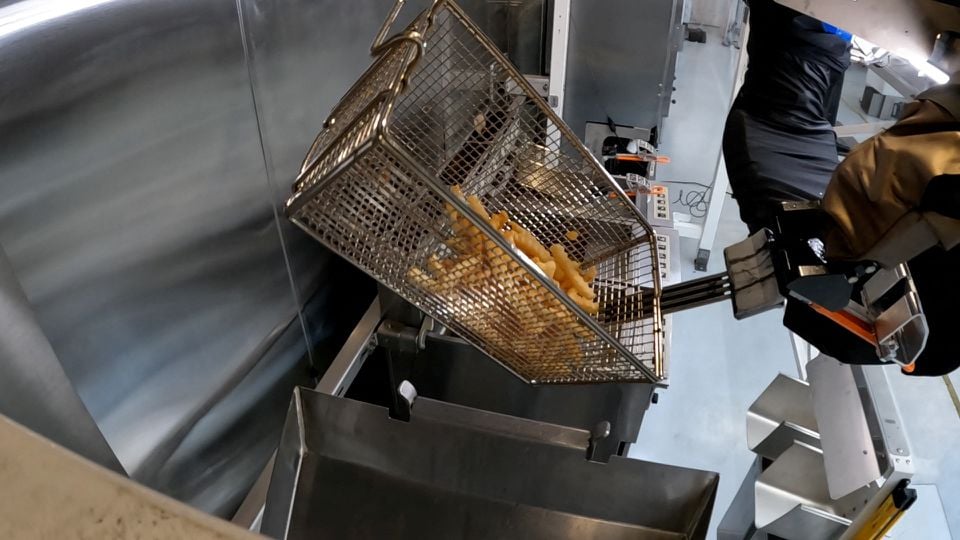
(382,43)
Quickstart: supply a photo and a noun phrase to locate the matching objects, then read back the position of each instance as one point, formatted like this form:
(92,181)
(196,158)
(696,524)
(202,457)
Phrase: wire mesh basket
(444,175)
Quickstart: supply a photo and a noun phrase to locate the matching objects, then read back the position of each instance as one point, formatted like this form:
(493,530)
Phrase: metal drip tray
(346,469)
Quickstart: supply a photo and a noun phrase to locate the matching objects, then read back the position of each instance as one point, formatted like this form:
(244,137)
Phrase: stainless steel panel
(848,451)
(451,370)
(889,438)
(674,44)
(806,523)
(517,27)
(34,390)
(345,469)
(781,415)
(620,62)
(792,500)
(136,213)
(883,416)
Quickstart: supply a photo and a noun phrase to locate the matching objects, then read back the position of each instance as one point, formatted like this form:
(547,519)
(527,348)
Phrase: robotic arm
(868,274)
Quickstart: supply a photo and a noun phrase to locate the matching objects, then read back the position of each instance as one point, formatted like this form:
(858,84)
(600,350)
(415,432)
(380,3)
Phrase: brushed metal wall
(303,56)
(138,208)
(621,62)
(146,150)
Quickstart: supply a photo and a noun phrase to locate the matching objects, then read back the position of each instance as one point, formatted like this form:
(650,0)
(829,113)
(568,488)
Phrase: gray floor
(720,365)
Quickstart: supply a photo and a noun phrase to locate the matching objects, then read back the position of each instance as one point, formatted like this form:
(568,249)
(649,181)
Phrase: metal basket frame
(380,109)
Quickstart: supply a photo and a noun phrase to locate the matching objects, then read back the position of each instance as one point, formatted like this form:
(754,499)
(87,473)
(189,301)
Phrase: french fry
(460,241)
(529,244)
(421,279)
(483,279)
(499,220)
(469,238)
(435,265)
(467,269)
(478,207)
(511,237)
(571,272)
(590,307)
(549,268)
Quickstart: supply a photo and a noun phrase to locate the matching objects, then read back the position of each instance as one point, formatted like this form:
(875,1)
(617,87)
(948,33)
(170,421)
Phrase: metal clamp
(901,327)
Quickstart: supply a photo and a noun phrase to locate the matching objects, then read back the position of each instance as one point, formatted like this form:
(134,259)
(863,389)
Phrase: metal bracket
(901,326)
(599,432)
(406,396)
(353,354)
(398,336)
(428,325)
(703,257)
(404,338)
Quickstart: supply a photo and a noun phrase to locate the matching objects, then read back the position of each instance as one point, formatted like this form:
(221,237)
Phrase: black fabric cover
(779,142)
(935,276)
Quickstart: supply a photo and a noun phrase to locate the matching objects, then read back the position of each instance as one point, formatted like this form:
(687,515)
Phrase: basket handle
(382,43)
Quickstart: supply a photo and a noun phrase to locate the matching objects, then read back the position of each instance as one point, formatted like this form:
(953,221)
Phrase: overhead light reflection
(29,13)
(926,68)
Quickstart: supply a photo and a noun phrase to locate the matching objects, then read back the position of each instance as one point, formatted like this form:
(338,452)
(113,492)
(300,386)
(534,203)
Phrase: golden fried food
(549,268)
(499,220)
(495,296)
(528,243)
(477,207)
(590,307)
(571,272)
(435,266)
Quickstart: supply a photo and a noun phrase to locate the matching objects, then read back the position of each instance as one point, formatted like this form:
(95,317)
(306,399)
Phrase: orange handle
(853,324)
(662,160)
(858,327)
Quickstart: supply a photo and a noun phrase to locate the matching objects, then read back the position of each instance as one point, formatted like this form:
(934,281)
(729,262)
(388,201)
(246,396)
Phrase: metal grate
(441,107)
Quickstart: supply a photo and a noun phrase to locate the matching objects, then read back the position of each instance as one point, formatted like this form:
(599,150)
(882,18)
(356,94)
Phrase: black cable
(704,186)
(697,201)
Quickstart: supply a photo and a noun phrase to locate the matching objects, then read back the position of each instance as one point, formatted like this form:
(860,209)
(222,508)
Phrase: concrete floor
(720,365)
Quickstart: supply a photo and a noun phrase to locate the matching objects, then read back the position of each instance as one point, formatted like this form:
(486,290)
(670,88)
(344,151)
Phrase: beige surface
(49,492)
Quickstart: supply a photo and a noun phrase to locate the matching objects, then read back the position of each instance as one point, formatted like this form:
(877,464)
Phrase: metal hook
(381,43)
